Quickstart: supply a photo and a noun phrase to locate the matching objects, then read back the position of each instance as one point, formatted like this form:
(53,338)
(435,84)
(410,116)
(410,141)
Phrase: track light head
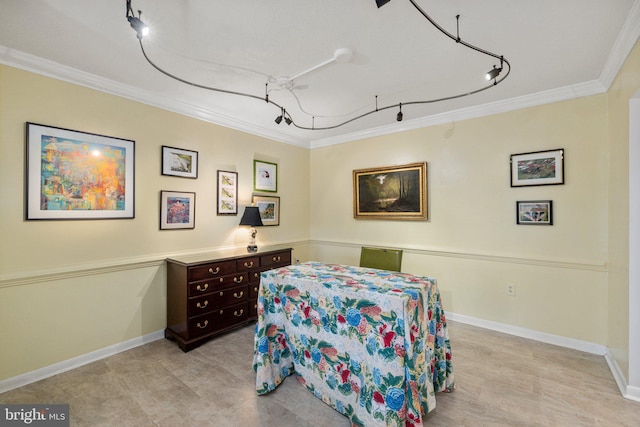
(288,121)
(399,116)
(141,28)
(381,3)
(493,73)
(279,119)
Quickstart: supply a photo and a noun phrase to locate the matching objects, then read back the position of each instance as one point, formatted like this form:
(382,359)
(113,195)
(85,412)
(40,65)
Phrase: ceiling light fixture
(341,55)
(136,23)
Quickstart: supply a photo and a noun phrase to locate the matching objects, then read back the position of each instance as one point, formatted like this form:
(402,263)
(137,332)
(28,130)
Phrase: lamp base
(252,248)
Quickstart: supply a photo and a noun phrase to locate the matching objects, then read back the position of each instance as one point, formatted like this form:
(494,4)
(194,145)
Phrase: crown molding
(540,98)
(27,62)
(625,41)
(623,45)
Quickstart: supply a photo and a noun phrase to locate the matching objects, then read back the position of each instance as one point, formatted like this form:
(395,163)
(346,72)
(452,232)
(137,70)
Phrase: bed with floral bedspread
(372,344)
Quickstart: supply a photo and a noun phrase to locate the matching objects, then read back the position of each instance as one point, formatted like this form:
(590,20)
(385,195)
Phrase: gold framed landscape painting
(392,192)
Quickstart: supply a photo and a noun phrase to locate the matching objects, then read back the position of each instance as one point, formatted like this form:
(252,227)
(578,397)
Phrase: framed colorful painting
(179,162)
(72,175)
(537,168)
(177,210)
(393,192)
(227,193)
(536,212)
(265,176)
(269,207)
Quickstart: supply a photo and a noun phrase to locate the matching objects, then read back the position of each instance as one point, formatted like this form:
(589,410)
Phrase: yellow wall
(471,243)
(623,88)
(71,287)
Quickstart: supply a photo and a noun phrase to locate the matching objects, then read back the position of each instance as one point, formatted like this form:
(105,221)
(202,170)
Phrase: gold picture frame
(392,192)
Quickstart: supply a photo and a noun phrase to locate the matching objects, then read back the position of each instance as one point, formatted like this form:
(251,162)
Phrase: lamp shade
(251,216)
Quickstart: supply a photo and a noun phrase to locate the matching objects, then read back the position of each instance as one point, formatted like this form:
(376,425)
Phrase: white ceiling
(557,50)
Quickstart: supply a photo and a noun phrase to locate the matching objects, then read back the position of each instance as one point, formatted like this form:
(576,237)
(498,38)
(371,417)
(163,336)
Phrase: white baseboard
(76,362)
(629,392)
(574,344)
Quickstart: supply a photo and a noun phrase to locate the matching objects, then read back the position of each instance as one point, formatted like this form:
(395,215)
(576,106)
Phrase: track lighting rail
(495,75)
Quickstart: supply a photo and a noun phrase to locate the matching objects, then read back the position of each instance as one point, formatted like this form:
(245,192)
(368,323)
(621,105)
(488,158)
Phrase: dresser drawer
(212,270)
(213,285)
(245,264)
(217,299)
(218,319)
(275,260)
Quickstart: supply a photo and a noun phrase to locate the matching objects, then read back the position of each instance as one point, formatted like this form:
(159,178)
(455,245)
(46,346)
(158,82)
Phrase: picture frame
(177,210)
(265,176)
(392,192)
(179,162)
(534,212)
(537,168)
(227,191)
(75,175)
(269,207)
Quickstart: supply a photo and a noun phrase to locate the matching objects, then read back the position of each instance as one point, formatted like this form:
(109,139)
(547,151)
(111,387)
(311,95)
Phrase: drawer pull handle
(238,279)
(206,303)
(235,313)
(221,293)
(212,271)
(235,294)
(255,289)
(221,279)
(221,311)
(256,275)
(276,259)
(248,264)
(201,289)
(206,322)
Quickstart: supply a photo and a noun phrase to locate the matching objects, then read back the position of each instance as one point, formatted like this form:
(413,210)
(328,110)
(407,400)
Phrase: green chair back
(381,258)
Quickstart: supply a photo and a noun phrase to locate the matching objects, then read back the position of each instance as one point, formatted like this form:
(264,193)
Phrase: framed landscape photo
(537,212)
(269,207)
(227,193)
(265,176)
(74,175)
(537,168)
(393,192)
(177,210)
(179,162)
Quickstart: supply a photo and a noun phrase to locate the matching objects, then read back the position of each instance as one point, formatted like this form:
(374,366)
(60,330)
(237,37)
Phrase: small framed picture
(177,210)
(265,176)
(269,207)
(537,168)
(179,162)
(536,212)
(227,193)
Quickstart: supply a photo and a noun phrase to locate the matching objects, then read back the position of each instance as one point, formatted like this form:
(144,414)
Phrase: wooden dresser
(210,295)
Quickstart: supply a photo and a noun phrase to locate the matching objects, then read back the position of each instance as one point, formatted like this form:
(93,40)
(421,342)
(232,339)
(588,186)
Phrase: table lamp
(251,217)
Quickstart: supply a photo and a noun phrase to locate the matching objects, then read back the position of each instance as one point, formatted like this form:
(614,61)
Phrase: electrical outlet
(297,261)
(511,290)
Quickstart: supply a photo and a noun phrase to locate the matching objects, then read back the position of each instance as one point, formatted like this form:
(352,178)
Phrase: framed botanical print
(78,175)
(227,193)
(177,210)
(265,176)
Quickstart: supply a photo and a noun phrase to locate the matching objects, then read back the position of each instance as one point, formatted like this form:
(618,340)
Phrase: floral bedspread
(372,344)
